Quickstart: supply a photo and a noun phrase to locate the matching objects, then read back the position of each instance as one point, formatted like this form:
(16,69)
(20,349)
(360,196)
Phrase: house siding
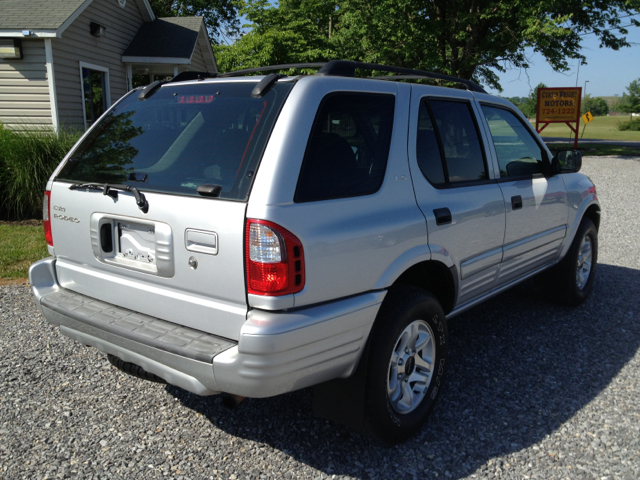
(24,90)
(78,45)
(197,59)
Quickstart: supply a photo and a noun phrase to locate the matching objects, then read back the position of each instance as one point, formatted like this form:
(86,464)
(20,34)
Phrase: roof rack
(339,68)
(347,68)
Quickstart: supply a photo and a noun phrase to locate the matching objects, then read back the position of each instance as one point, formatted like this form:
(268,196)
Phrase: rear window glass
(180,138)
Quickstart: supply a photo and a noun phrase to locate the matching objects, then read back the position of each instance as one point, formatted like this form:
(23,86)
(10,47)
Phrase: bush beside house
(27,159)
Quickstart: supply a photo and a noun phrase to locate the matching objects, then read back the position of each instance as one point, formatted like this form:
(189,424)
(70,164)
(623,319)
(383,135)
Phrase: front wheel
(407,359)
(573,276)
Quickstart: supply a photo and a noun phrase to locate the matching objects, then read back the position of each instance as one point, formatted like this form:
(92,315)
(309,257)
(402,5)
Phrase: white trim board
(36,34)
(149,9)
(107,87)
(129,78)
(51,81)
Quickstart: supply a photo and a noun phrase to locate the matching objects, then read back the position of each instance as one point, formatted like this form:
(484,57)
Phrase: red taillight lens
(46,217)
(274,258)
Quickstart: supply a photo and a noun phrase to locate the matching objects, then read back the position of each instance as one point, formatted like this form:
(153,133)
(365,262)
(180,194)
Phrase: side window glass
(461,145)
(427,149)
(348,148)
(517,151)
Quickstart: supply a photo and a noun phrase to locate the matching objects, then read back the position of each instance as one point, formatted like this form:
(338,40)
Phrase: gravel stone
(534,391)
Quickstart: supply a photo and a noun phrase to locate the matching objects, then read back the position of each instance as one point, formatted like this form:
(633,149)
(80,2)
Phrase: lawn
(597,149)
(605,128)
(20,246)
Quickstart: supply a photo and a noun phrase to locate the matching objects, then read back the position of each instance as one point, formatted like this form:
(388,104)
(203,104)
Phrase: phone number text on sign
(558,111)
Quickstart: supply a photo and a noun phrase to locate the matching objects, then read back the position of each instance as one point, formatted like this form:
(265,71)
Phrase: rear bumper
(277,352)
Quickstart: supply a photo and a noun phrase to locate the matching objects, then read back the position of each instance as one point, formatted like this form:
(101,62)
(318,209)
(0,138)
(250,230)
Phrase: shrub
(27,159)
(632,125)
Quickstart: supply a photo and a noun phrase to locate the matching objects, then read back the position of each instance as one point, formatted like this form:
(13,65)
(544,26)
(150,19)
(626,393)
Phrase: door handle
(443,216)
(516,202)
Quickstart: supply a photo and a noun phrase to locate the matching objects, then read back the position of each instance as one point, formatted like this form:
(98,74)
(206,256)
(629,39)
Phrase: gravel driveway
(534,391)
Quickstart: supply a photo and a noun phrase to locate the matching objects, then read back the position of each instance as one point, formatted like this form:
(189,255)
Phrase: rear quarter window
(348,148)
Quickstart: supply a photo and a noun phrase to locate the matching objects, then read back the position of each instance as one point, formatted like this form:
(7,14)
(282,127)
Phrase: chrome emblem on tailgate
(66,218)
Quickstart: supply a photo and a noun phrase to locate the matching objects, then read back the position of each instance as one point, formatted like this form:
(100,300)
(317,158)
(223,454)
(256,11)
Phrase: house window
(95,92)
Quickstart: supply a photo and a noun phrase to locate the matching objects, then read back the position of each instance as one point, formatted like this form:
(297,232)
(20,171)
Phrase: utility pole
(585,88)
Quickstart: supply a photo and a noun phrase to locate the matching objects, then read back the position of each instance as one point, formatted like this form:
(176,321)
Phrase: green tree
(471,39)
(596,105)
(630,102)
(220,16)
(295,31)
(529,105)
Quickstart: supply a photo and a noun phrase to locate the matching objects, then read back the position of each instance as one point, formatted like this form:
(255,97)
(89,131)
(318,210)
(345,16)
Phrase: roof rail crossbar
(286,66)
(346,68)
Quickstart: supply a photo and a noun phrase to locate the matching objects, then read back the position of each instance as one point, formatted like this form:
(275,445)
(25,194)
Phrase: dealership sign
(559,105)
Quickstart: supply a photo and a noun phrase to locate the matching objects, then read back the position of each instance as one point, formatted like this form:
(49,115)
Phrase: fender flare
(588,201)
(408,259)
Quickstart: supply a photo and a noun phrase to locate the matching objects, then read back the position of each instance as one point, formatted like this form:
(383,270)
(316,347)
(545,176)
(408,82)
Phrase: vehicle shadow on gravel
(519,368)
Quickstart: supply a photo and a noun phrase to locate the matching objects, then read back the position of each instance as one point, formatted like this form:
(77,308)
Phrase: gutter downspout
(51,81)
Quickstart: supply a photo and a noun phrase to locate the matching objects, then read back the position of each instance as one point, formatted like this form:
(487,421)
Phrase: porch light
(11,48)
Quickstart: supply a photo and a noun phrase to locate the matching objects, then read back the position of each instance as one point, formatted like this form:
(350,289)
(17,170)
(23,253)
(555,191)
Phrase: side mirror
(567,161)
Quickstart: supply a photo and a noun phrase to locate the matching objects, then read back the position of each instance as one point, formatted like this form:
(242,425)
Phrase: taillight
(274,258)
(46,217)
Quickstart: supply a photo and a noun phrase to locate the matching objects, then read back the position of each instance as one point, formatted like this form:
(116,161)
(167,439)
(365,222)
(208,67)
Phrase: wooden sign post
(559,105)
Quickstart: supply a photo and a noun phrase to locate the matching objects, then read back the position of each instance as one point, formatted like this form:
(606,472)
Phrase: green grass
(604,128)
(27,159)
(20,246)
(597,149)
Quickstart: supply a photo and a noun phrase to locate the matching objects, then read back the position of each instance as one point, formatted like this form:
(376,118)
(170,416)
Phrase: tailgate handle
(201,241)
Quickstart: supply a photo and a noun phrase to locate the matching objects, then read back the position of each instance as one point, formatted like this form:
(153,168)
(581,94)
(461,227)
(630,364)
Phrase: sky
(608,72)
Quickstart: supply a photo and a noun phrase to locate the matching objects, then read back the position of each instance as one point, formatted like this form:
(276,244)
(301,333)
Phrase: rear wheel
(407,358)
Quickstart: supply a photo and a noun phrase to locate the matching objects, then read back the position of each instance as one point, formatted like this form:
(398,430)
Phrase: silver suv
(256,235)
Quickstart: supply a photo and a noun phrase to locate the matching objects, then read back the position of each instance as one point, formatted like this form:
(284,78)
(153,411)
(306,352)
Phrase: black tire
(133,369)
(564,285)
(403,306)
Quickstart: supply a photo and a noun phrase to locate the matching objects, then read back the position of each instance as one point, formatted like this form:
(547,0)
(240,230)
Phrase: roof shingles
(36,14)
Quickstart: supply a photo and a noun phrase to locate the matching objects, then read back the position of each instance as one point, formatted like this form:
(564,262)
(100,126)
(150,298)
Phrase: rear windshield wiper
(113,189)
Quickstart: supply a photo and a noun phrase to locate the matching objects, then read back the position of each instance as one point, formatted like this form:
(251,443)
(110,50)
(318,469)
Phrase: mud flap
(342,400)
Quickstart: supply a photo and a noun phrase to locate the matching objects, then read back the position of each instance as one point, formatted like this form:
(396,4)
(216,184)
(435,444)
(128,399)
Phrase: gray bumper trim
(192,375)
(140,328)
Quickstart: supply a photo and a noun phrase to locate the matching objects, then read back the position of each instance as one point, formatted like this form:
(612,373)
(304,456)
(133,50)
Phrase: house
(64,62)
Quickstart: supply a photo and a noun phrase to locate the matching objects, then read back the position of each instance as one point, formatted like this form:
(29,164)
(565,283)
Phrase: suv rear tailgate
(210,297)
